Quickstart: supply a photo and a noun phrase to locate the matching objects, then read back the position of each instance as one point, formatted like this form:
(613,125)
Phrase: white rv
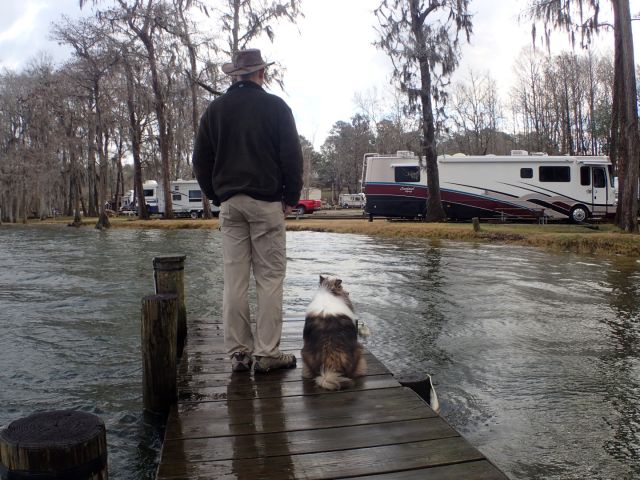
(186,198)
(520,186)
(351,200)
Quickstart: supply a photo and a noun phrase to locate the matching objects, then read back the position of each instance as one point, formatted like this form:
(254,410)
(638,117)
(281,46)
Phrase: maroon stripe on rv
(487,204)
(562,205)
(399,190)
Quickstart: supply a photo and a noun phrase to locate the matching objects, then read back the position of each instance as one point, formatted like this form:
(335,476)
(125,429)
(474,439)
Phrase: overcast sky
(328,55)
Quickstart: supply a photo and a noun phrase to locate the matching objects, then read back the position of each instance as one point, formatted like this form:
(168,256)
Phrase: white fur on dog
(324,304)
(330,380)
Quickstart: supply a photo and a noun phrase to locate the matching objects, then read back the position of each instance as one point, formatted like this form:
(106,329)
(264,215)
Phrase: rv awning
(413,164)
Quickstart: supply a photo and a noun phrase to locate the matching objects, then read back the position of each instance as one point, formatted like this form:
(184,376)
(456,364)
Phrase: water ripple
(536,355)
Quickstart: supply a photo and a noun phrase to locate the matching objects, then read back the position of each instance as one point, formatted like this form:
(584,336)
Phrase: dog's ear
(338,283)
(322,279)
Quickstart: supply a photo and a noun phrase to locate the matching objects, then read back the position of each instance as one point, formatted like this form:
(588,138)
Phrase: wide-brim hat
(245,62)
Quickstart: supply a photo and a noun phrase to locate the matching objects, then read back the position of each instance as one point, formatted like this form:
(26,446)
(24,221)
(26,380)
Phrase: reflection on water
(535,354)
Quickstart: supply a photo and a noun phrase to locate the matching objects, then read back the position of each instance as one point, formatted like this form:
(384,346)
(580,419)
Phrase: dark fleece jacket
(248,143)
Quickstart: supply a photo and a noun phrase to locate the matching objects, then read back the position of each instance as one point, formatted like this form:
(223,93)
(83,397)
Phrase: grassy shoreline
(600,240)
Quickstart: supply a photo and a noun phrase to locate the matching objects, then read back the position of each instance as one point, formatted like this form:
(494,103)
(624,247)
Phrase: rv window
(526,173)
(554,174)
(148,192)
(599,178)
(176,197)
(585,176)
(195,196)
(176,187)
(407,174)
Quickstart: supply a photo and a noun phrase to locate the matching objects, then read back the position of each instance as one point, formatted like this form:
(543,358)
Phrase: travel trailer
(186,198)
(519,186)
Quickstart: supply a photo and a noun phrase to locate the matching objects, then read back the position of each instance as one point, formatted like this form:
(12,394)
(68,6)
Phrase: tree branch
(202,84)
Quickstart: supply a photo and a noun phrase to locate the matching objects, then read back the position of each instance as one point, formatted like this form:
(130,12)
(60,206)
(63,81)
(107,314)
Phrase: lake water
(535,355)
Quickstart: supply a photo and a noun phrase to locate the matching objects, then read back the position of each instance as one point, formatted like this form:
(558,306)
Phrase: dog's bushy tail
(330,380)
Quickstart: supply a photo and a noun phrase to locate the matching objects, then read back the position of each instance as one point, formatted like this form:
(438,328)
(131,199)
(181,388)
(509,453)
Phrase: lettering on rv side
(407,189)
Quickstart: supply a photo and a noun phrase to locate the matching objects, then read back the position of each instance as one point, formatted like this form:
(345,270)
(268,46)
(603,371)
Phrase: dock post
(65,444)
(159,355)
(476,224)
(168,276)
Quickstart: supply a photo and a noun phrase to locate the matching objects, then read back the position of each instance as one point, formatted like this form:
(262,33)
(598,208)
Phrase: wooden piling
(54,445)
(159,355)
(476,224)
(168,275)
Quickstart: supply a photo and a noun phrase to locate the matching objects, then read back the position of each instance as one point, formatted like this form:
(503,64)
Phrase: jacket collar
(244,84)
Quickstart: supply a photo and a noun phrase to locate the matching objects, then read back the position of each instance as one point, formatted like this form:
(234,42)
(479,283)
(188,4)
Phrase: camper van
(519,186)
(186,198)
(351,200)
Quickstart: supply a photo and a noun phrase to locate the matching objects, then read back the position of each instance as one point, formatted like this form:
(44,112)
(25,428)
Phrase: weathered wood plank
(196,366)
(270,389)
(242,417)
(334,464)
(475,470)
(307,441)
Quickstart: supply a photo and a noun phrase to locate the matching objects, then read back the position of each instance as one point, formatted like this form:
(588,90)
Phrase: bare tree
(136,126)
(243,21)
(183,32)
(87,38)
(580,18)
(422,40)
(475,113)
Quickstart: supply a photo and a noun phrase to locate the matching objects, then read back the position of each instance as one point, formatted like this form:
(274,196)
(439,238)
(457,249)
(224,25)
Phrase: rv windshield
(407,174)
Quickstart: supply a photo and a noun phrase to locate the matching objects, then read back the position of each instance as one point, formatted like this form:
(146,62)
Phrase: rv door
(599,190)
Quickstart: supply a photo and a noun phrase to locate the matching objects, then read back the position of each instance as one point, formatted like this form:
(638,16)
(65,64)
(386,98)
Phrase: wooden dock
(279,426)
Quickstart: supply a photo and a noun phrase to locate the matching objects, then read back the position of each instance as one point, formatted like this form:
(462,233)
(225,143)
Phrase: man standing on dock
(247,159)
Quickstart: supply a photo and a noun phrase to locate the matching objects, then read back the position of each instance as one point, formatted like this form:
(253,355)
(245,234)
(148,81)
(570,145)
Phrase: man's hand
(287,209)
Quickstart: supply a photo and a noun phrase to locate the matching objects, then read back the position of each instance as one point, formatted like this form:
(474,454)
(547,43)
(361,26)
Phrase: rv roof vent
(404,153)
(459,155)
(539,154)
(519,153)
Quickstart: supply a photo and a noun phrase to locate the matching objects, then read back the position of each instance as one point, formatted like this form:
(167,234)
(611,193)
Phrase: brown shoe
(241,362)
(266,364)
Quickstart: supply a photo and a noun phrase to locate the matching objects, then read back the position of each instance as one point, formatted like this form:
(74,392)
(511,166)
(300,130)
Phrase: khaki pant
(253,237)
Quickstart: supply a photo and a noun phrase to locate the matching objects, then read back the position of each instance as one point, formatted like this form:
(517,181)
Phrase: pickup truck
(308,206)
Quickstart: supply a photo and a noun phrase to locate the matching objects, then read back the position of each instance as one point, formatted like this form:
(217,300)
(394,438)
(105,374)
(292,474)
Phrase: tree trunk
(206,207)
(435,212)
(628,110)
(91,167)
(136,140)
(146,37)
(103,220)
(75,190)
(162,127)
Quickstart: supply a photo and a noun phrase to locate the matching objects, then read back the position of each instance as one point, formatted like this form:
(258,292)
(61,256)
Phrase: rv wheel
(194,214)
(578,214)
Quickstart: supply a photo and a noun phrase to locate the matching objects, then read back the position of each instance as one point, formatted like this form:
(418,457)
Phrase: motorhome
(186,198)
(516,186)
